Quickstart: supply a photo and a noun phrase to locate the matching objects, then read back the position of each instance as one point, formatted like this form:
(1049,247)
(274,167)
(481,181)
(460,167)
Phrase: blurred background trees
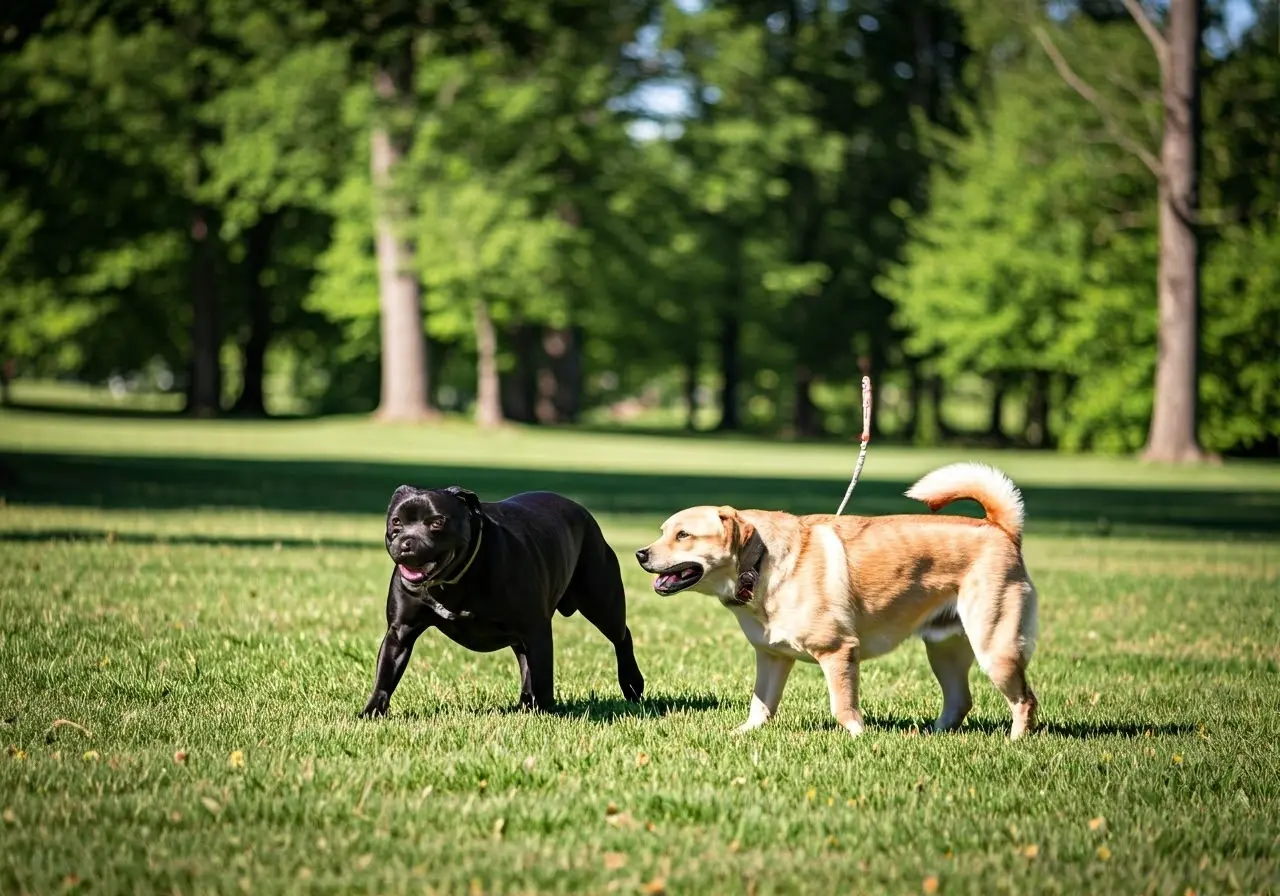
(686,214)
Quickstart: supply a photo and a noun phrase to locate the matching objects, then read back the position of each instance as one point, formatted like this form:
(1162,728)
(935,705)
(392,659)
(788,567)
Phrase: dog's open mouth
(416,575)
(678,578)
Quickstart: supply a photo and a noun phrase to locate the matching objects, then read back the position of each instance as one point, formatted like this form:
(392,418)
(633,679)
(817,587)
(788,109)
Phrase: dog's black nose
(643,555)
(408,545)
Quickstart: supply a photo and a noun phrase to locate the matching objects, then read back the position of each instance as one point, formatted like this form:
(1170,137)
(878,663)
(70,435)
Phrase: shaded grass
(224,603)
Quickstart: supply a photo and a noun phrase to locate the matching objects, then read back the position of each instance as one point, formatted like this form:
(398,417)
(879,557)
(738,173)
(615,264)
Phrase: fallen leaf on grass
(17,754)
(9,817)
(1104,853)
(236,759)
(530,762)
(1030,851)
(91,756)
(611,809)
(180,757)
(70,881)
(655,887)
(499,826)
(364,861)
(930,885)
(642,759)
(621,820)
(614,861)
(1097,824)
(1093,701)
(211,804)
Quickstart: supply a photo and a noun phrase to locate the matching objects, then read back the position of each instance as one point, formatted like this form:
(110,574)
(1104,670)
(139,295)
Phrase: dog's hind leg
(1003,635)
(536,656)
(596,589)
(951,659)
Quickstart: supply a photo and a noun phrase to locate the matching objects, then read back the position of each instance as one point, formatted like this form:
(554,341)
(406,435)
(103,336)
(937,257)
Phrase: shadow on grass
(342,487)
(213,541)
(1073,730)
(601,709)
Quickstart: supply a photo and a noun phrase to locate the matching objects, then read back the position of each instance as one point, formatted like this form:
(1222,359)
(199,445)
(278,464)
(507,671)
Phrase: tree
(1172,436)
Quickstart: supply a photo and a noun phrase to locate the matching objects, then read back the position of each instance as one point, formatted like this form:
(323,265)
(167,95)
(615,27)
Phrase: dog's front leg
(393,657)
(771,678)
(536,655)
(840,668)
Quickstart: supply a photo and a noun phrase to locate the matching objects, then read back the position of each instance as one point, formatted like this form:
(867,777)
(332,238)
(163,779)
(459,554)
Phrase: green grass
(218,587)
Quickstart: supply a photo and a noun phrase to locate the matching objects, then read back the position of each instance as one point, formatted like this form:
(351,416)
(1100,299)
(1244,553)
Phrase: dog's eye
(436,524)
(395,522)
(681,535)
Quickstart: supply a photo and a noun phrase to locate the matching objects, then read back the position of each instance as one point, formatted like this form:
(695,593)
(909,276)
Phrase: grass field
(204,601)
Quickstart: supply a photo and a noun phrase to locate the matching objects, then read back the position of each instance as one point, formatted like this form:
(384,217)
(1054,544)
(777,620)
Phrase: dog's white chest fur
(775,638)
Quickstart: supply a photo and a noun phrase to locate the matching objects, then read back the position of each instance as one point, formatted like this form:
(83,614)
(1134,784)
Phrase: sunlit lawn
(203,601)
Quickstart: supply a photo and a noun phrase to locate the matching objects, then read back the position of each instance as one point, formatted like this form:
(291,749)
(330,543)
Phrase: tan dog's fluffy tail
(992,489)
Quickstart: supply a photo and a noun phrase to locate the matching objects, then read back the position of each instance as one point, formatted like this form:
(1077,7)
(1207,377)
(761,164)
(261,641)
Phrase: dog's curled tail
(992,489)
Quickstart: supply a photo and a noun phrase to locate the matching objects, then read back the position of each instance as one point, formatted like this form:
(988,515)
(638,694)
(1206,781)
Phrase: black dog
(493,575)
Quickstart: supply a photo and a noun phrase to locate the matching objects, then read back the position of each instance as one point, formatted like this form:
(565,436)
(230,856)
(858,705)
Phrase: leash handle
(866,438)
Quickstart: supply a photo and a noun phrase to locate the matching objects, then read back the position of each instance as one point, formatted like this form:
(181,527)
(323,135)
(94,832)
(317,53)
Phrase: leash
(866,437)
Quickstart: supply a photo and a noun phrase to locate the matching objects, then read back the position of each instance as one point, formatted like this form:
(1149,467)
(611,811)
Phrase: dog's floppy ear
(468,497)
(744,539)
(399,495)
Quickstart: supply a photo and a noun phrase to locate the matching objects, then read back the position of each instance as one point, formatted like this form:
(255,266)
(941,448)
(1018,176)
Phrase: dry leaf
(211,804)
(70,881)
(484,782)
(611,809)
(9,817)
(499,825)
(91,756)
(930,885)
(1093,701)
(1097,824)
(236,759)
(655,887)
(1030,851)
(621,820)
(810,794)
(614,861)
(735,846)
(17,754)
(650,827)
(364,861)
(175,816)
(304,873)
(738,782)
(1103,852)
(642,759)
(530,762)
(180,757)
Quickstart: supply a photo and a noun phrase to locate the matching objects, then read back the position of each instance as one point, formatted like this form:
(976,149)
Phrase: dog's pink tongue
(663,581)
(410,574)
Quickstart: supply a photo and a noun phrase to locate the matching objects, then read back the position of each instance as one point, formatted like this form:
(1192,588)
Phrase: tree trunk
(488,387)
(730,331)
(691,389)
(1036,428)
(911,425)
(204,386)
(936,392)
(519,384)
(1172,437)
(405,390)
(806,418)
(995,429)
(254,351)
(560,375)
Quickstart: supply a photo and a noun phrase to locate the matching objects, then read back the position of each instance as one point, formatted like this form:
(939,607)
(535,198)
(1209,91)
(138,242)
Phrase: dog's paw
(376,707)
(748,726)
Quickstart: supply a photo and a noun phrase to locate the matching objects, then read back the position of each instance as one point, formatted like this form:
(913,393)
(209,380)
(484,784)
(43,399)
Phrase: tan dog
(838,590)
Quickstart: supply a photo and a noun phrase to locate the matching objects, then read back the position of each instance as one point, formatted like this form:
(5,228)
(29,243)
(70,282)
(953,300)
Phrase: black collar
(750,559)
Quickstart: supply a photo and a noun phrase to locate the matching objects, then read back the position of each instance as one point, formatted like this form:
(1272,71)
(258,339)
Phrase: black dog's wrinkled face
(428,529)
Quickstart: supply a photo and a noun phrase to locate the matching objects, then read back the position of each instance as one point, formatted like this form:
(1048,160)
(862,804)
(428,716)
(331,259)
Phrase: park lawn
(205,599)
